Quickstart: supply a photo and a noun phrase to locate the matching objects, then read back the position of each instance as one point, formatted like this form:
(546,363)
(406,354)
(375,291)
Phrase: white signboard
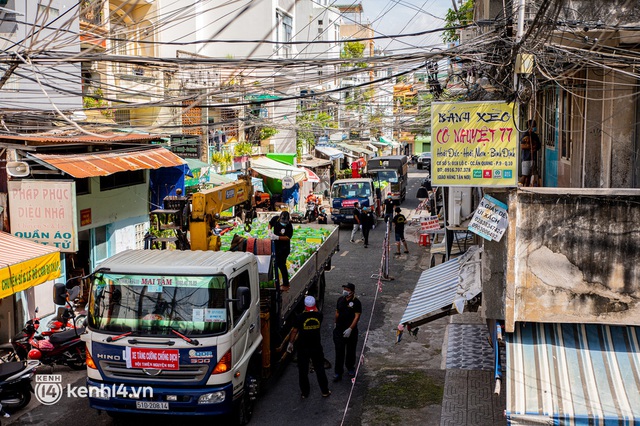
(490,219)
(288,182)
(44,212)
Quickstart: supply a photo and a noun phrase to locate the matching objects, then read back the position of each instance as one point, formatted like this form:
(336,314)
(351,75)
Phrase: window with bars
(284,33)
(139,237)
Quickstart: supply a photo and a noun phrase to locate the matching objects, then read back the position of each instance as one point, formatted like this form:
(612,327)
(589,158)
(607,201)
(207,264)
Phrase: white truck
(193,327)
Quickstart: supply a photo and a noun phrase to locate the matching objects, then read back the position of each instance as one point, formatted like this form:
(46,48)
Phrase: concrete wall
(573,255)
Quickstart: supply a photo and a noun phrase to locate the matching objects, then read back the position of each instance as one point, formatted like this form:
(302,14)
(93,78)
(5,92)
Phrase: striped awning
(578,374)
(436,289)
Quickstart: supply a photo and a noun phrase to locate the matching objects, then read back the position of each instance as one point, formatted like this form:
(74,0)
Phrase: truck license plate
(349,216)
(152,405)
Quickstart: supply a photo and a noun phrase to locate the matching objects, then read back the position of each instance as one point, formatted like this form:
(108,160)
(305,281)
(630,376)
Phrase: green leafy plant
(243,148)
(97,101)
(223,159)
(453,19)
(266,132)
(353,50)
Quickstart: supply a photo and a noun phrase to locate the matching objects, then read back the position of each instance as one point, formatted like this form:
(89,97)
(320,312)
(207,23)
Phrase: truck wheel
(243,410)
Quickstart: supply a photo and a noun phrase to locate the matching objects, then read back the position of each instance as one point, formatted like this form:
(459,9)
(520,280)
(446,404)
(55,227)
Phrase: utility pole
(519,34)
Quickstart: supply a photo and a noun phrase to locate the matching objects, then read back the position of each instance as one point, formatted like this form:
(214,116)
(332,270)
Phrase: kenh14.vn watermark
(49,390)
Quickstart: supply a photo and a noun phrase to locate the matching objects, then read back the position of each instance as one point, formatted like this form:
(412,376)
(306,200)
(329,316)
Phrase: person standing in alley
(282,232)
(345,332)
(306,333)
(368,222)
(399,220)
(388,208)
(357,226)
(529,147)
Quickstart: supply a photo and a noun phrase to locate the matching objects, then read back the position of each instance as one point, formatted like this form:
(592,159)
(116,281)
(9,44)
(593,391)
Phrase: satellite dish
(288,182)
(18,169)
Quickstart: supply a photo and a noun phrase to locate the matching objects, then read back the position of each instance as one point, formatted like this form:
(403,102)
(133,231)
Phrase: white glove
(347,333)
(290,347)
(361,227)
(373,227)
(274,237)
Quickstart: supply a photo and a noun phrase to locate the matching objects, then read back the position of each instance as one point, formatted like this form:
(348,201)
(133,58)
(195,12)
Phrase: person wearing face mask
(345,332)
(322,216)
(388,208)
(282,232)
(368,221)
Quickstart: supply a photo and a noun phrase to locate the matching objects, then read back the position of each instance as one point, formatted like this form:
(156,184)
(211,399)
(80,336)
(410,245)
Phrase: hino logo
(107,356)
(151,371)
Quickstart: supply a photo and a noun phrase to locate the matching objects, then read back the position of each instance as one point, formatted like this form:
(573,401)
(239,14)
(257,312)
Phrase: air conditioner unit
(18,169)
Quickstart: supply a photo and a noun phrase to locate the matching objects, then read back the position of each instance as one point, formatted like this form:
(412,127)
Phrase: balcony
(137,82)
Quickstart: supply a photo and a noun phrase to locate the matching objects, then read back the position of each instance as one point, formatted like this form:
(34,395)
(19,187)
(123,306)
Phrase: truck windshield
(390,176)
(155,305)
(351,190)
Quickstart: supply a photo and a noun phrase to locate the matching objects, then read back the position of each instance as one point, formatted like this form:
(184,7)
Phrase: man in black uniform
(388,208)
(345,333)
(282,234)
(307,329)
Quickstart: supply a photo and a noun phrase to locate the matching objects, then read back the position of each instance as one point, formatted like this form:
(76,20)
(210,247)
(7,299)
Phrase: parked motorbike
(312,212)
(15,384)
(62,347)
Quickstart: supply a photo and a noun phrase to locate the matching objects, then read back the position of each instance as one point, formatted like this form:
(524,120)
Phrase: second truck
(198,330)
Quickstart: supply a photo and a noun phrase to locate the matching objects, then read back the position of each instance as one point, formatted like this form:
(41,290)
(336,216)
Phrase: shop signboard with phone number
(474,144)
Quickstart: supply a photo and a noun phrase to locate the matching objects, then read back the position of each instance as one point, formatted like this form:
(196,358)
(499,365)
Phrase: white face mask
(345,293)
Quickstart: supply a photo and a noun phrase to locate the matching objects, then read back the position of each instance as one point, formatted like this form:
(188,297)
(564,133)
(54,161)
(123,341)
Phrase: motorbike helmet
(35,354)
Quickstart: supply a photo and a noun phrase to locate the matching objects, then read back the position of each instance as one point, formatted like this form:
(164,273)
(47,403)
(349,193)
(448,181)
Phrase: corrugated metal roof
(106,138)
(108,163)
(578,374)
(314,162)
(436,289)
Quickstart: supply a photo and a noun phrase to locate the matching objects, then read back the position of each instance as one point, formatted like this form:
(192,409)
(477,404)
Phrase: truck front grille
(346,211)
(186,374)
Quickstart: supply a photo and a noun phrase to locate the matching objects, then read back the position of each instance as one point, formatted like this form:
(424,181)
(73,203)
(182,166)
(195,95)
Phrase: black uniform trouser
(281,265)
(345,350)
(316,356)
(365,234)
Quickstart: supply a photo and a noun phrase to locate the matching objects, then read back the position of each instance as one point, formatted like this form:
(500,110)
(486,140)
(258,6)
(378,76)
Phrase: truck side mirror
(243,299)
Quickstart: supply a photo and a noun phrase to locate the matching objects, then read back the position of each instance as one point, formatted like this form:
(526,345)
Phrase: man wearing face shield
(345,333)
(282,232)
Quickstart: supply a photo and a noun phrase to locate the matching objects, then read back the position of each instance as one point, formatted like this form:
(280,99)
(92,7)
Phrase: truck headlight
(212,398)
(99,392)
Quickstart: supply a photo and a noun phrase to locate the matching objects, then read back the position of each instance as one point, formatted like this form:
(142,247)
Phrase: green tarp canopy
(283,158)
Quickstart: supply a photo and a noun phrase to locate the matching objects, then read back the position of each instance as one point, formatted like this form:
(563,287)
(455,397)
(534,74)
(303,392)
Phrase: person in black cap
(282,232)
(345,333)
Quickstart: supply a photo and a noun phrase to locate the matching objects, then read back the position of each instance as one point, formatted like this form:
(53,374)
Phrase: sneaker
(366,246)
(337,377)
(406,251)
(352,241)
(396,254)
(325,395)
(352,373)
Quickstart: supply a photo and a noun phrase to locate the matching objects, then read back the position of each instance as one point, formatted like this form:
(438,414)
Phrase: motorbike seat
(66,335)
(8,369)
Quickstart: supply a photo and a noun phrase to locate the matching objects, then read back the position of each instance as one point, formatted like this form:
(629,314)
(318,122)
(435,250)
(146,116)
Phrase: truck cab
(393,169)
(185,324)
(346,192)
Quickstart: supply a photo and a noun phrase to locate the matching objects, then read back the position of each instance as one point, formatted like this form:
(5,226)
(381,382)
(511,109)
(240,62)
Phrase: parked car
(424,161)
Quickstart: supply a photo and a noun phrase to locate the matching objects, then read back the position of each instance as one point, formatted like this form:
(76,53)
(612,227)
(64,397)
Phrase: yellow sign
(29,273)
(474,144)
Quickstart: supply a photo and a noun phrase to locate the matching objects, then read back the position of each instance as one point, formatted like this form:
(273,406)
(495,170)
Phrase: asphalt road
(281,402)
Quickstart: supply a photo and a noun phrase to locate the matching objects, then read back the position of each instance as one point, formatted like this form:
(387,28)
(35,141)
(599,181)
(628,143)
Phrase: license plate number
(349,216)
(152,405)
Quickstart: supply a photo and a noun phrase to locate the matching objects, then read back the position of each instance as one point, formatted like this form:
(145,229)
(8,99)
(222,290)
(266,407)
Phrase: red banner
(159,359)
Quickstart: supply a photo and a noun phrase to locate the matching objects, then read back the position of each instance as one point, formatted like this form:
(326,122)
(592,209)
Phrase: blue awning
(578,374)
(436,289)
(330,153)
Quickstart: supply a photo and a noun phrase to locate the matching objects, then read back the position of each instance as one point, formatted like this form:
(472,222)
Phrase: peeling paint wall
(572,256)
